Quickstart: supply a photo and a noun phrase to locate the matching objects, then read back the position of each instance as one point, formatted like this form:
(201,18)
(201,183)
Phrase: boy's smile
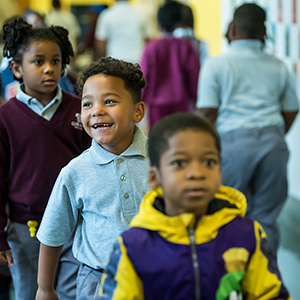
(108,113)
(189,173)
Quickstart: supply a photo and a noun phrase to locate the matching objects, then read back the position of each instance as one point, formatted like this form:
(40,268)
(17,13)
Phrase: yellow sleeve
(120,280)
(262,280)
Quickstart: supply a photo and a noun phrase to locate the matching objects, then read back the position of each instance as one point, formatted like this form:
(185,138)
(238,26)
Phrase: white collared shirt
(47,111)
(249,87)
(125,28)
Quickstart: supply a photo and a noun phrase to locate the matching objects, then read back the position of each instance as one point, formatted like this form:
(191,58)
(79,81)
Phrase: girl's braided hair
(18,35)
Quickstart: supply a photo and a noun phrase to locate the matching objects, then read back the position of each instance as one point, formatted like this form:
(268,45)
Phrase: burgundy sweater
(171,68)
(32,153)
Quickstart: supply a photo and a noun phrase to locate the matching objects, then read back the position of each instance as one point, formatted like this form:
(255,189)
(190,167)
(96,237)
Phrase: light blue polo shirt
(47,111)
(249,87)
(97,194)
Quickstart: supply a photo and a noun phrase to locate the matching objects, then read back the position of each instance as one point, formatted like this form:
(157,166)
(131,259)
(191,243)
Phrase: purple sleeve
(4,167)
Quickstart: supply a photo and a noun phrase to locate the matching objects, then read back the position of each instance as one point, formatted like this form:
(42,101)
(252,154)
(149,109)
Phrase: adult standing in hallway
(185,30)
(59,17)
(171,67)
(251,97)
(121,32)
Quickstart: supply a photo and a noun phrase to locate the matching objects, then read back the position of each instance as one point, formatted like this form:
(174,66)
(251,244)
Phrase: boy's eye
(86,104)
(38,62)
(109,101)
(178,163)
(56,61)
(210,162)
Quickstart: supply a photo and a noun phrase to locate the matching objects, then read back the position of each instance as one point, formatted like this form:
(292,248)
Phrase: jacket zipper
(195,263)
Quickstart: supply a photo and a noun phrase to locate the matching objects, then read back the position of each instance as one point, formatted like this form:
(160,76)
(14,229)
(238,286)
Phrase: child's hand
(46,294)
(6,258)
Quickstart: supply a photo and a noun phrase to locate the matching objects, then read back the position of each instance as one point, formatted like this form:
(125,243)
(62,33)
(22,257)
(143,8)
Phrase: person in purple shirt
(171,67)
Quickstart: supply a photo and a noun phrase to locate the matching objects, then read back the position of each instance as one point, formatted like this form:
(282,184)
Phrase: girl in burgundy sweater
(40,132)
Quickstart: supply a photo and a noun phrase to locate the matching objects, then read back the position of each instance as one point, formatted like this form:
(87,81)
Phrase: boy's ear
(16,69)
(139,111)
(154,178)
(231,32)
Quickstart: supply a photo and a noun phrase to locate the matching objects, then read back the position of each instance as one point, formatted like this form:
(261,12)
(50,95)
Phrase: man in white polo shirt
(121,32)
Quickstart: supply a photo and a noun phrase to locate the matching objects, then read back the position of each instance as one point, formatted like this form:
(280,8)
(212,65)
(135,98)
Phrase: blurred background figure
(250,97)
(121,32)
(88,43)
(185,29)
(34,18)
(171,67)
(59,17)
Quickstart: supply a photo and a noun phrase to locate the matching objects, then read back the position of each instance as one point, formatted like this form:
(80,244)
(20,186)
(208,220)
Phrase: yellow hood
(174,229)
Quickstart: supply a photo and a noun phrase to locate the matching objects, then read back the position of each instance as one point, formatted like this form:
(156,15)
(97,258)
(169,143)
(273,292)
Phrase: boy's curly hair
(131,74)
(18,35)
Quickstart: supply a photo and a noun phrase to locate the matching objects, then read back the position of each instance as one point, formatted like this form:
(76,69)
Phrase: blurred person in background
(59,17)
(185,29)
(171,67)
(122,32)
(250,97)
(88,44)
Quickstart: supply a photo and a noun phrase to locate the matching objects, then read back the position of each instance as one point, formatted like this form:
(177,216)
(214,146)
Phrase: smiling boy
(99,192)
(190,239)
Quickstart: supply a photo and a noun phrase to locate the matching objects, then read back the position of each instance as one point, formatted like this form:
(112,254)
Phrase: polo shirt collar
(138,147)
(23,97)
(246,44)
(122,3)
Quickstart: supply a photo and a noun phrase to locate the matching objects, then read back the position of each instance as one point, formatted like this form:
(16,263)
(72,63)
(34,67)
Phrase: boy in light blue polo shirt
(98,193)
(251,98)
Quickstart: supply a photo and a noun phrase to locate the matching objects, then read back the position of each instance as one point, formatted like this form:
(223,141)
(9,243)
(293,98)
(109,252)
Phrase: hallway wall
(207,22)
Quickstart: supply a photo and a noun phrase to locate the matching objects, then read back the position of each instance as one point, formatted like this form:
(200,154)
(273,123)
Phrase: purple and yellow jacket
(220,256)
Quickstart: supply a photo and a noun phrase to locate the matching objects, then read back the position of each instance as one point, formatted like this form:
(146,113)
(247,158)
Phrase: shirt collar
(138,147)
(119,3)
(23,97)
(246,44)
(183,32)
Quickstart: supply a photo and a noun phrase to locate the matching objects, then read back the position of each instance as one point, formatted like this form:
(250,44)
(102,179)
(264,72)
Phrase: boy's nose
(98,110)
(48,68)
(196,171)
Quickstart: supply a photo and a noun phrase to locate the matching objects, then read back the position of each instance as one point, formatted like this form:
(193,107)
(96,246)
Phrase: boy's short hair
(164,129)
(250,19)
(169,15)
(131,74)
